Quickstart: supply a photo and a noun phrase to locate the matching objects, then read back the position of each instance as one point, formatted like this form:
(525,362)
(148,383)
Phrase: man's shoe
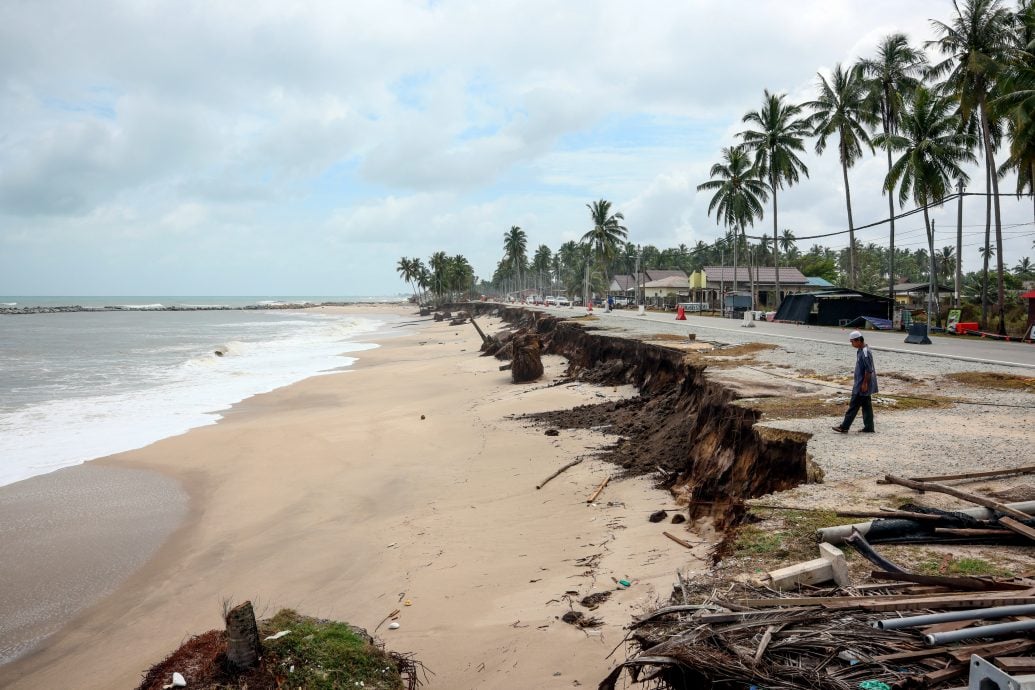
(867,431)
(840,430)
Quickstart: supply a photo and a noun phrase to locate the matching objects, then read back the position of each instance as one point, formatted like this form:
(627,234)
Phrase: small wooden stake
(678,540)
(599,489)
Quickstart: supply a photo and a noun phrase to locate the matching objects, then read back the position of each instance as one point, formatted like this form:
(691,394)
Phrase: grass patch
(947,564)
(326,655)
(783,536)
(995,381)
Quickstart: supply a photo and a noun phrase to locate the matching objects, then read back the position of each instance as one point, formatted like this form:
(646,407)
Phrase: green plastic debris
(874,685)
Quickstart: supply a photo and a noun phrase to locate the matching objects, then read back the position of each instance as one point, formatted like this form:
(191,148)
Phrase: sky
(301,148)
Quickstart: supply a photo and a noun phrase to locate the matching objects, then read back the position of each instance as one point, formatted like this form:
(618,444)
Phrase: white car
(563,302)
(550,301)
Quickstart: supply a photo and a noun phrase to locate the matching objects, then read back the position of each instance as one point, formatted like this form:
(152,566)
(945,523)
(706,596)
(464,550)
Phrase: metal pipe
(936,639)
(837,535)
(969,614)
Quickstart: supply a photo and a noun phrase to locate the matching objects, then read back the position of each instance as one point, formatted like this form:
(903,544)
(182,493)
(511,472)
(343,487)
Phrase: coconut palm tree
(606,235)
(778,134)
(787,241)
(408,270)
(1017,102)
(541,266)
(890,78)
(439,265)
(932,147)
(976,44)
(739,195)
(841,109)
(1024,269)
(515,243)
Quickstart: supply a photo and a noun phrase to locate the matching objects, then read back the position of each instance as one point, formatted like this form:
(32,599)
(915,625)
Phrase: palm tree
(541,265)
(977,44)
(778,135)
(515,242)
(439,283)
(739,195)
(946,263)
(841,109)
(1024,269)
(408,270)
(890,77)
(787,241)
(606,235)
(1017,102)
(933,147)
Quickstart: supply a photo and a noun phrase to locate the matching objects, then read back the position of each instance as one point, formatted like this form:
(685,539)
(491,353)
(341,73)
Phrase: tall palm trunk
(776,235)
(988,233)
(851,226)
(990,155)
(886,121)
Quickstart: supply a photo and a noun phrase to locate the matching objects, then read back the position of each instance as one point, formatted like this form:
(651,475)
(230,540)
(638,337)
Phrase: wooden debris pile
(832,639)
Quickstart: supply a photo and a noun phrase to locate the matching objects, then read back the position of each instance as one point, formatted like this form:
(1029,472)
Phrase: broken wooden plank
(599,489)
(1019,528)
(992,649)
(976,584)
(1016,664)
(679,541)
(956,601)
(1029,469)
(976,499)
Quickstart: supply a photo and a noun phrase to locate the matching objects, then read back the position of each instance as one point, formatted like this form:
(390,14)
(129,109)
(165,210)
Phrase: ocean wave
(188,391)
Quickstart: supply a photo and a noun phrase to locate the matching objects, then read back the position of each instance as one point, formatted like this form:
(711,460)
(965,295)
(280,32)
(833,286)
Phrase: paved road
(961,348)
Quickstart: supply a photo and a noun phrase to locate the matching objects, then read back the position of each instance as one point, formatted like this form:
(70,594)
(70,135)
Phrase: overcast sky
(301,148)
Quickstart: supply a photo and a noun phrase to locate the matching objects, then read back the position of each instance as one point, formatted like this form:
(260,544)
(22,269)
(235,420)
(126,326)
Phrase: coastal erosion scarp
(684,424)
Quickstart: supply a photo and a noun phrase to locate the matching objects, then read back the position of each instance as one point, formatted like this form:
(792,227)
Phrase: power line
(906,214)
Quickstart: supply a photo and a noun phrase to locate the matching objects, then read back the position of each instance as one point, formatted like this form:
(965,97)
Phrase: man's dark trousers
(859,400)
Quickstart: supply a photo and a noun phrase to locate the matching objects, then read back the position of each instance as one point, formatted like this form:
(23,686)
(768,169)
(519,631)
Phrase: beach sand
(334,497)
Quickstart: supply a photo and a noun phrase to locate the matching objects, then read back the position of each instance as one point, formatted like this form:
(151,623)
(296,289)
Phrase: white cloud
(298,138)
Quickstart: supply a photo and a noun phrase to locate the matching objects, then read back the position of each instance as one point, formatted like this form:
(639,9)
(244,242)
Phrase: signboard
(952,320)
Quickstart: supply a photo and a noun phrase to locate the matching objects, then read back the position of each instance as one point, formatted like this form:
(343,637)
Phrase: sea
(122,374)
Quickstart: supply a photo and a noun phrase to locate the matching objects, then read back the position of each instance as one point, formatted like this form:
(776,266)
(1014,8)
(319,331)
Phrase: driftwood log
(527,364)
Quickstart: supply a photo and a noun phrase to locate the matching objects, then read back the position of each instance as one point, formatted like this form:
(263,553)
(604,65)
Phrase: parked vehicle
(562,302)
(620,301)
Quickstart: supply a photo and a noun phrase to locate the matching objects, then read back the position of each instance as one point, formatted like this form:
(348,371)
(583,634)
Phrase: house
(625,285)
(915,294)
(667,291)
(709,283)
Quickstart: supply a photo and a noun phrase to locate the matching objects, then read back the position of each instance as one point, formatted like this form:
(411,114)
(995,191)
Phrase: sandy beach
(403,483)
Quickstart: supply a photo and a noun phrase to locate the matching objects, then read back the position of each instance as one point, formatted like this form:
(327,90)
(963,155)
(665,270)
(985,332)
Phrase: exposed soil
(711,455)
(995,380)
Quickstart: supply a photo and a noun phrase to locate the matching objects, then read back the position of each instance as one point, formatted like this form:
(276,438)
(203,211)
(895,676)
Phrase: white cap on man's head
(854,334)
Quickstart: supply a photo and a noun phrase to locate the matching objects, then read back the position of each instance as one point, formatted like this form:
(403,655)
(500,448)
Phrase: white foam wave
(46,436)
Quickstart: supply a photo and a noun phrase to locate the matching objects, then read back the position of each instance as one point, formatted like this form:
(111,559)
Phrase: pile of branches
(746,635)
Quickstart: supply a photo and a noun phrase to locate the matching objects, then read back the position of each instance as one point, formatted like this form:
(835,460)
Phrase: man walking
(864,386)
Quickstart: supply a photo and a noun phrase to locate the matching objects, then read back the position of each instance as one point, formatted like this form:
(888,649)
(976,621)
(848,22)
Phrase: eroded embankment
(682,422)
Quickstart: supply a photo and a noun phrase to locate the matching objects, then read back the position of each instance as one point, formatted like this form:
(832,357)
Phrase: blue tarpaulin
(875,321)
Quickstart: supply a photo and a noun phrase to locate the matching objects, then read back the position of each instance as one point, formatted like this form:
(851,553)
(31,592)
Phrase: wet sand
(334,497)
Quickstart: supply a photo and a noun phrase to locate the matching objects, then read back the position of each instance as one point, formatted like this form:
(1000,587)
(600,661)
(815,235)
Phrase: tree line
(929,118)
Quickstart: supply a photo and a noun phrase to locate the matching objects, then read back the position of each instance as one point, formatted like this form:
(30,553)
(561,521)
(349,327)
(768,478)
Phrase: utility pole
(722,281)
(636,277)
(959,244)
(932,287)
